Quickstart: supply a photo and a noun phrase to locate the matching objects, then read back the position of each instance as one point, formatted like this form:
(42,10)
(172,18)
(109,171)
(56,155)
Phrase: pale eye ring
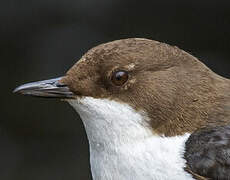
(119,77)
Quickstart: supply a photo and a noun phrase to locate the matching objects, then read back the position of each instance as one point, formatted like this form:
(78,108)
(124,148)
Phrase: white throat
(123,147)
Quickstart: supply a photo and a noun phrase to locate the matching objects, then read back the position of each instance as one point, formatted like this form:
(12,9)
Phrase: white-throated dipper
(151,111)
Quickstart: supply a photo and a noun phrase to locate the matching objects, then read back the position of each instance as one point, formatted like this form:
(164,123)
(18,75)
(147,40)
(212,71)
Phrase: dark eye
(119,77)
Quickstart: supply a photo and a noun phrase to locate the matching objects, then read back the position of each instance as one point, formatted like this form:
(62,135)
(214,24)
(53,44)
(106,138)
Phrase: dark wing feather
(208,153)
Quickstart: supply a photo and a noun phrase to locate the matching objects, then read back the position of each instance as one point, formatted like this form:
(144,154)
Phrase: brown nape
(178,92)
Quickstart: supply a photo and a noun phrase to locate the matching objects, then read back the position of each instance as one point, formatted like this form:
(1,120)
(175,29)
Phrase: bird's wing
(208,153)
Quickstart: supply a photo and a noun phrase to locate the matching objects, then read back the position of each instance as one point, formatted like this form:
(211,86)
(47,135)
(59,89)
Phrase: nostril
(59,84)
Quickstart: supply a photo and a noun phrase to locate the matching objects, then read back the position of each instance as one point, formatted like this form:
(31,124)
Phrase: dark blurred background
(44,139)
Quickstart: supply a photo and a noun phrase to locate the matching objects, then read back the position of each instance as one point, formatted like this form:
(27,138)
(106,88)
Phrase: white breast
(123,147)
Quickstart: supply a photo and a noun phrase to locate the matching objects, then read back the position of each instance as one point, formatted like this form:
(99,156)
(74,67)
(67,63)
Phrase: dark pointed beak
(51,88)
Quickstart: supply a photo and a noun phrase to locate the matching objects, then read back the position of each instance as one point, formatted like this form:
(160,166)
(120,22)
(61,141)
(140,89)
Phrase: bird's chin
(79,103)
(73,98)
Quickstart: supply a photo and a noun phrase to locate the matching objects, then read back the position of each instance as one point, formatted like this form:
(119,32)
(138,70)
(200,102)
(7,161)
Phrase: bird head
(169,90)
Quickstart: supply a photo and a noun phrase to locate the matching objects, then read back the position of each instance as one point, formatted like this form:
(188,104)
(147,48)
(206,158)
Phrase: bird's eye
(119,77)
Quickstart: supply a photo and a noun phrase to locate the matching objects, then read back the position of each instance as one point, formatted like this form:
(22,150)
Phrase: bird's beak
(51,88)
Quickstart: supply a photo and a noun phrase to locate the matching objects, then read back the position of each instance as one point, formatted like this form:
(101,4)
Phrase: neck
(122,146)
(205,102)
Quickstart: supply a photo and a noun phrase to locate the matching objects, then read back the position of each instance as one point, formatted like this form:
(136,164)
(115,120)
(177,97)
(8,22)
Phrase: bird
(151,111)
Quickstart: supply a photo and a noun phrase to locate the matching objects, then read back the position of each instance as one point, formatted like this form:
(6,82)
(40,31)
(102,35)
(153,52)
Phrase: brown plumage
(180,94)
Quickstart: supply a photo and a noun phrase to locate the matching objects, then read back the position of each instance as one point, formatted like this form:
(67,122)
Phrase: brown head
(177,92)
